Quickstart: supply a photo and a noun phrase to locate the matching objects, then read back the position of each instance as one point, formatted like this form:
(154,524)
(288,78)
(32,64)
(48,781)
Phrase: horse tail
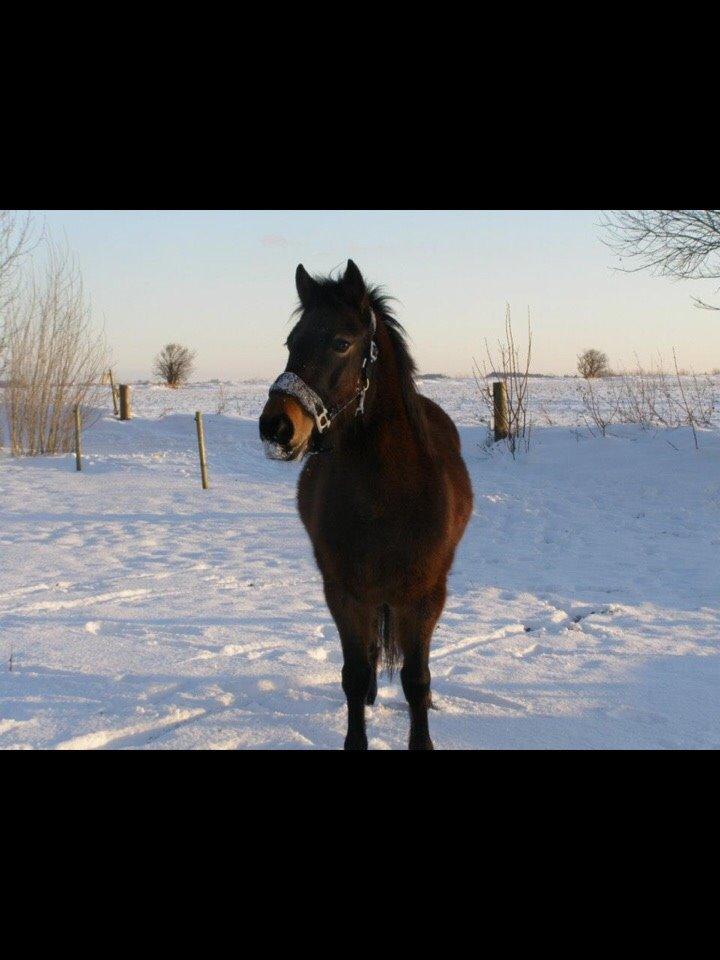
(388,644)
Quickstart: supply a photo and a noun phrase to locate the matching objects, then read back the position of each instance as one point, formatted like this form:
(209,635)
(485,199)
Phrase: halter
(291,385)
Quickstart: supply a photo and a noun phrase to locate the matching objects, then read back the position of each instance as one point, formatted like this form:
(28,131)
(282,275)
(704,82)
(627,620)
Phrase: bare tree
(55,357)
(174,364)
(592,364)
(682,244)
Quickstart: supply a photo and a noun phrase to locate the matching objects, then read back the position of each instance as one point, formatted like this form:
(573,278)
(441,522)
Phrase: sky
(222,282)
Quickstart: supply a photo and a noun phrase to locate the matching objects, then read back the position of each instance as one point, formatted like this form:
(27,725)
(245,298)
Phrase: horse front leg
(355,623)
(415,628)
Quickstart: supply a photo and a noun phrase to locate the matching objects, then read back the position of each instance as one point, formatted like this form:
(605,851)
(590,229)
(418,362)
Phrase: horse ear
(305,285)
(353,284)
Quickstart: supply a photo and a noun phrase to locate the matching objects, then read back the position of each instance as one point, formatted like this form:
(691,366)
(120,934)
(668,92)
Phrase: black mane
(406,367)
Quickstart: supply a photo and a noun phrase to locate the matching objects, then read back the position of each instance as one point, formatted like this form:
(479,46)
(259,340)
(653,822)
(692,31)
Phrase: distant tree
(592,364)
(174,364)
(682,244)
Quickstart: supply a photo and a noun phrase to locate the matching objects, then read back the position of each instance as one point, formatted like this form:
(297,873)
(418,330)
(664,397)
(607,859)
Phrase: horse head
(331,348)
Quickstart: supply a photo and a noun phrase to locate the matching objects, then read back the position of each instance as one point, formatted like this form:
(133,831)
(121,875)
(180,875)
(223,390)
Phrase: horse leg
(372,688)
(415,628)
(356,623)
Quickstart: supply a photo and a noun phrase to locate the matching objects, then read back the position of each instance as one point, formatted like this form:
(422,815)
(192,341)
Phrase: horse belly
(393,558)
(379,548)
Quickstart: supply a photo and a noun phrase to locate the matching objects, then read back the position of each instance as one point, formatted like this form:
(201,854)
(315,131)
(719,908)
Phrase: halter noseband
(291,385)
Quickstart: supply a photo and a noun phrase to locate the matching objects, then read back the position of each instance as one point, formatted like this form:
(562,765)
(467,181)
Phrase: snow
(139,611)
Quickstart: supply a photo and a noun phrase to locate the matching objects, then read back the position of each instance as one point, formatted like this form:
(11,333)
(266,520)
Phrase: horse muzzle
(285,428)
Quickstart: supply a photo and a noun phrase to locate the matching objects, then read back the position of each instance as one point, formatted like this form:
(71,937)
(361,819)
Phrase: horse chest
(365,531)
(336,506)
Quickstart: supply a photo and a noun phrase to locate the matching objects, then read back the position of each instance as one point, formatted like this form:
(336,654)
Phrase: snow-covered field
(137,610)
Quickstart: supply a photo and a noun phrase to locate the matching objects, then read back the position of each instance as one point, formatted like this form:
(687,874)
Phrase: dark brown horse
(384,494)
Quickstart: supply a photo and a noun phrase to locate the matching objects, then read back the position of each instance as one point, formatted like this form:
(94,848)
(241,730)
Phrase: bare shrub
(16,241)
(221,401)
(592,364)
(55,357)
(653,398)
(697,400)
(643,397)
(601,408)
(546,416)
(513,366)
(174,364)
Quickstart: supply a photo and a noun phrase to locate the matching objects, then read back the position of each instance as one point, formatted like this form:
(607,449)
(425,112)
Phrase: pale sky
(222,282)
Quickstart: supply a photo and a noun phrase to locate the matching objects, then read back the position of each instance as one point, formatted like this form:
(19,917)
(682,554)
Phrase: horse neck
(385,413)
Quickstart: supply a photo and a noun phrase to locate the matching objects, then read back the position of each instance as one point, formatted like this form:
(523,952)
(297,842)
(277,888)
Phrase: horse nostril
(278,428)
(265,423)
(284,429)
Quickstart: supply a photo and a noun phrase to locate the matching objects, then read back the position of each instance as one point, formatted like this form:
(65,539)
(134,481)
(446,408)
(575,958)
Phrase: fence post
(125,402)
(78,447)
(500,410)
(201,448)
(114,393)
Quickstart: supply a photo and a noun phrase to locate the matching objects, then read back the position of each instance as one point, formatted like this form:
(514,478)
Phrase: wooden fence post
(78,447)
(114,393)
(201,448)
(125,402)
(500,410)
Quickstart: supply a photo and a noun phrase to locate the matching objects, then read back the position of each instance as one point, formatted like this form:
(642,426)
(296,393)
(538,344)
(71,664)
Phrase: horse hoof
(420,743)
(356,743)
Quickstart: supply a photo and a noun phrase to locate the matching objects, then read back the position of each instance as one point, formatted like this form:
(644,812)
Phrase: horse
(384,493)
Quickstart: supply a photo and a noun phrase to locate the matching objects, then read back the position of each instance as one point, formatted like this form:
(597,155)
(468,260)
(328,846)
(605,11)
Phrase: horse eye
(340,346)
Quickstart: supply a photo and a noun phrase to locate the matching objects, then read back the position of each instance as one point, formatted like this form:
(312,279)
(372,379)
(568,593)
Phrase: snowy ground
(137,610)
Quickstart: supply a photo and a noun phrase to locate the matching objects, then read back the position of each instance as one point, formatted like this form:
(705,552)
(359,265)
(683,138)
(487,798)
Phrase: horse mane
(412,400)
